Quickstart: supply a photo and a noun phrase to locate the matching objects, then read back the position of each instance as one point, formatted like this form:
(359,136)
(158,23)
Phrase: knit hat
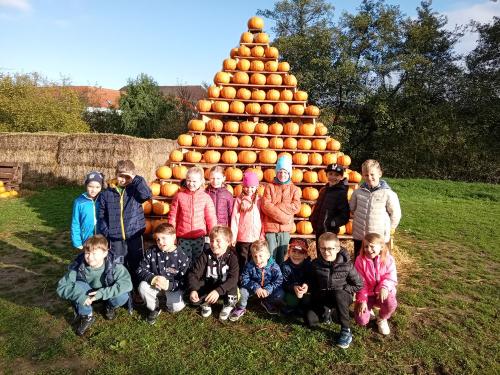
(94,176)
(298,244)
(250,179)
(284,162)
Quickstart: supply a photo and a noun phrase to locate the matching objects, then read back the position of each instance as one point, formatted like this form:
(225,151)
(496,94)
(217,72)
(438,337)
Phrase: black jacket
(294,274)
(331,210)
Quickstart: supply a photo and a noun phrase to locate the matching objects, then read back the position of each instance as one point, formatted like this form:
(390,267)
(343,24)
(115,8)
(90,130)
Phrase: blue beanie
(284,162)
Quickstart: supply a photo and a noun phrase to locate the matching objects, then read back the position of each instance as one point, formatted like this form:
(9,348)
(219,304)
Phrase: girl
(192,213)
(377,268)
(85,209)
(246,223)
(222,198)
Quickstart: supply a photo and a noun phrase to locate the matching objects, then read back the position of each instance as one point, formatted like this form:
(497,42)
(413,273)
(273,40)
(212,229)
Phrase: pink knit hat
(250,179)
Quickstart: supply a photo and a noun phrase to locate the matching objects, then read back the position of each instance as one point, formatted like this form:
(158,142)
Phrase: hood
(382,185)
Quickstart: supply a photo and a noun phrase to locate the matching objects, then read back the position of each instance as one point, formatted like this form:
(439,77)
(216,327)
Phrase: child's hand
(162,283)
(212,297)
(384,293)
(90,299)
(362,308)
(194,296)
(262,293)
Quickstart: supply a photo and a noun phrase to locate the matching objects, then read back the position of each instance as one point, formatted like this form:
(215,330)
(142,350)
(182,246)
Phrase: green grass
(446,322)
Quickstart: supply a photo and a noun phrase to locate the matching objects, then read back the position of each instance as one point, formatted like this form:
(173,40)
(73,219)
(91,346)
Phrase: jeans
(130,253)
(82,309)
(276,296)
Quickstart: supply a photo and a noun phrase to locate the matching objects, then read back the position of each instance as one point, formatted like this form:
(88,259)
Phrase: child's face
(193,181)
(219,245)
(297,256)
(371,176)
(165,241)
(334,178)
(260,258)
(249,190)
(373,249)
(217,179)
(329,250)
(95,257)
(93,189)
(123,178)
(283,175)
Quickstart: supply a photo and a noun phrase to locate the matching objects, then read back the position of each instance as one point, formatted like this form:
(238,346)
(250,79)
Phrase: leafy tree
(29,103)
(104,121)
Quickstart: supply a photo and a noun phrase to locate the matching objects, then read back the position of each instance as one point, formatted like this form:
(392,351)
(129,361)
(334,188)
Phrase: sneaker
(383,326)
(152,316)
(206,310)
(109,312)
(237,313)
(85,323)
(344,338)
(225,312)
(288,310)
(270,307)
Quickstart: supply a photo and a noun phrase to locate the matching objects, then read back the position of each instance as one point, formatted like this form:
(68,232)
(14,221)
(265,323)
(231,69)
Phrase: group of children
(244,255)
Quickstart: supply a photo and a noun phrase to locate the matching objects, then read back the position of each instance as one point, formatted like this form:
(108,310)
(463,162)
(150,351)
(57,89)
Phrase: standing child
(121,217)
(374,205)
(281,201)
(377,268)
(331,210)
(295,271)
(163,270)
(192,213)
(215,275)
(262,277)
(333,282)
(222,198)
(85,210)
(246,223)
(93,276)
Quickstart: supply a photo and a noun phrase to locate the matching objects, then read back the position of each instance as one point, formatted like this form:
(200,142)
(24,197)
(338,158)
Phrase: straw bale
(33,148)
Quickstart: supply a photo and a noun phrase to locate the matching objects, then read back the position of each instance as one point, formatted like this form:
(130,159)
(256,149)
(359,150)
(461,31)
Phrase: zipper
(95,218)
(121,214)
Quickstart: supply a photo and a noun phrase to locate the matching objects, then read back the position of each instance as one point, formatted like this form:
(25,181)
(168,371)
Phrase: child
(262,277)
(331,210)
(246,223)
(281,201)
(377,268)
(192,213)
(163,270)
(121,217)
(333,281)
(295,270)
(93,276)
(374,205)
(85,210)
(222,198)
(215,274)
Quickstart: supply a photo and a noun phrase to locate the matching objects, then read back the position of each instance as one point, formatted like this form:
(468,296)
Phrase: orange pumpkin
(320,129)
(297,109)
(304,227)
(271,52)
(185,140)
(286,95)
(307,129)
(261,128)
(149,225)
(229,157)
(193,156)
(271,66)
(291,128)
(273,95)
(285,154)
(211,156)
(261,142)
(341,230)
(222,77)
(247,127)
(255,23)
(229,64)
(297,175)
(228,92)
(309,193)
(276,143)
(266,109)
(348,227)
(203,106)
(294,229)
(281,109)
(283,66)
(315,158)
(257,51)
(161,208)
(231,126)
(257,171)
(311,176)
(240,78)
(300,96)
(176,156)
(179,172)
(329,158)
(322,177)
(258,95)
(234,52)
(274,79)
(252,108)
(261,38)
(215,141)
(231,141)
(258,79)
(319,144)
(333,145)
(147,207)
(349,192)
(257,65)
(243,94)
(215,125)
(237,107)
(312,110)
(233,174)
(169,190)
(245,141)
(155,188)
(344,160)
(353,176)
(220,106)
(213,91)
(269,175)
(164,172)
(276,128)
(304,144)
(290,143)
(200,140)
(243,64)
(305,210)
(237,190)
(247,157)
(268,156)
(244,51)
(290,80)
(300,158)
(246,37)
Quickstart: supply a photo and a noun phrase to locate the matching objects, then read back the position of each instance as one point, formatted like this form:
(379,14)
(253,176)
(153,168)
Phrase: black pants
(230,298)
(130,253)
(357,248)
(242,252)
(338,300)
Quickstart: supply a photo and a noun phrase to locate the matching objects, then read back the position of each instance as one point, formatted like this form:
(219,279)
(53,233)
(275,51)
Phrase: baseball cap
(335,168)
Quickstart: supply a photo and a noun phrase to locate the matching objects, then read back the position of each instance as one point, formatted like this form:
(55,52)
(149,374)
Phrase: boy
(374,205)
(262,277)
(295,270)
(163,270)
(215,274)
(280,202)
(93,276)
(121,217)
(333,282)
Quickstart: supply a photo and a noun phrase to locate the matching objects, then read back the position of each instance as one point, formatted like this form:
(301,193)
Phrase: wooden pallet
(11,174)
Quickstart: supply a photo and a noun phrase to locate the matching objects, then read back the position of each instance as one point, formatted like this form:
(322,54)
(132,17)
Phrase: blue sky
(104,43)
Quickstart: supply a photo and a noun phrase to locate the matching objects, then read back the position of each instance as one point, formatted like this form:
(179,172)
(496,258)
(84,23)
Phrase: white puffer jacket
(376,211)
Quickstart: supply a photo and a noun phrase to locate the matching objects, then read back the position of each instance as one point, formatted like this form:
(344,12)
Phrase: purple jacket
(223,201)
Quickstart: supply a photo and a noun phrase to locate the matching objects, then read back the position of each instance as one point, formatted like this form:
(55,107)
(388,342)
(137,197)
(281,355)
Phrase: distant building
(98,98)
(187,93)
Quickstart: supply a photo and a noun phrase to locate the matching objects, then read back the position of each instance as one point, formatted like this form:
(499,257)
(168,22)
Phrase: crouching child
(95,276)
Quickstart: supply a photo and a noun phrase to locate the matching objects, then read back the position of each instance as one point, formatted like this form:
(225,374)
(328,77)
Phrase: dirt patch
(76,365)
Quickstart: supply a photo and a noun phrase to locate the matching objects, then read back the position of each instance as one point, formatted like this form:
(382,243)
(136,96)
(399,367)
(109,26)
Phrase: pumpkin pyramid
(253,114)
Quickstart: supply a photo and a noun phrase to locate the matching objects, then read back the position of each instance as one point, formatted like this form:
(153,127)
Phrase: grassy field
(446,322)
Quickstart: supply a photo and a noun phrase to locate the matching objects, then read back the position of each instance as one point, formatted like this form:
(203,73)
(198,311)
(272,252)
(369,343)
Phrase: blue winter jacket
(294,274)
(268,278)
(120,214)
(84,220)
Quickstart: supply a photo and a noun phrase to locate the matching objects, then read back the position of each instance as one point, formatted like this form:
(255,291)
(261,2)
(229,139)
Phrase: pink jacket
(375,275)
(246,226)
(192,213)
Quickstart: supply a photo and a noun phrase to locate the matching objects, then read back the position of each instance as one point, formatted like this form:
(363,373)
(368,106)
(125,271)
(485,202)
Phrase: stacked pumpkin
(252,115)
(5,192)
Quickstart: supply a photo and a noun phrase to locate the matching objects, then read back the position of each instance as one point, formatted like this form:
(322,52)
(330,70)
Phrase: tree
(29,103)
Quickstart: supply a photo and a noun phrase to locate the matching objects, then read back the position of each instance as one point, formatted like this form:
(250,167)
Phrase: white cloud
(22,5)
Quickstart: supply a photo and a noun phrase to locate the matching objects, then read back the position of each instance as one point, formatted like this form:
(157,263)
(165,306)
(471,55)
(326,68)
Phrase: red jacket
(376,275)
(192,213)
(279,205)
